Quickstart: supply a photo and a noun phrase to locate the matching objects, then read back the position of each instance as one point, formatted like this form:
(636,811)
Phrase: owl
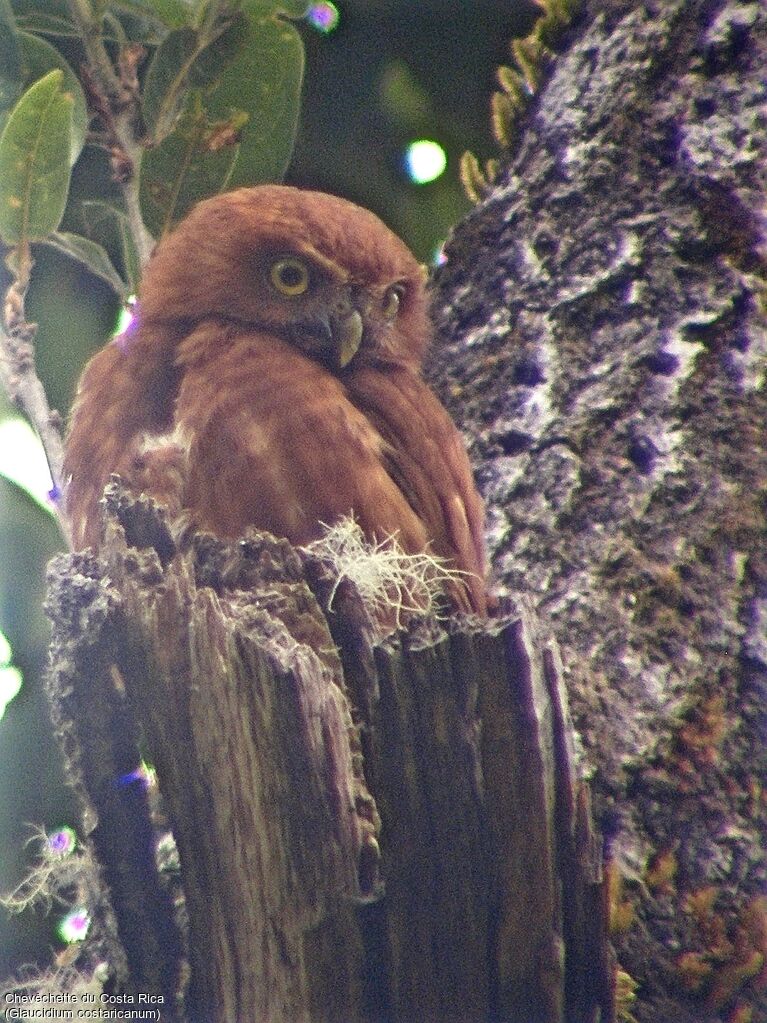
(272,378)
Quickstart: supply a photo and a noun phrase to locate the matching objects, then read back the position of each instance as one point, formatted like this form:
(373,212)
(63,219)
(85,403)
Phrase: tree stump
(391,832)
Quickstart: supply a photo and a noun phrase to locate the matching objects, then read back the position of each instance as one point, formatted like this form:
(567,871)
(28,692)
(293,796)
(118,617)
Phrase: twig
(119,138)
(24,388)
(114,95)
(98,59)
(142,238)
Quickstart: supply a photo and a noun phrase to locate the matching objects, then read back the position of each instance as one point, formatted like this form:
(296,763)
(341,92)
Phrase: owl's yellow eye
(391,301)
(290,277)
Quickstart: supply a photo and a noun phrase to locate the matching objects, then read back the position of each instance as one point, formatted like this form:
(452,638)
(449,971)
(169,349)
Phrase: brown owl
(273,372)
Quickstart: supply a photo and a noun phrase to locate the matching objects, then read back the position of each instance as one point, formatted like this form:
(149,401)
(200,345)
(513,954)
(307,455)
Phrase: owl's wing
(274,442)
(425,456)
(124,393)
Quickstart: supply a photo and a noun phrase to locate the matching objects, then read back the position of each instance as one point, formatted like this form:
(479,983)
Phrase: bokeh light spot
(23,461)
(126,316)
(61,842)
(10,676)
(144,774)
(438,257)
(75,925)
(323,16)
(425,160)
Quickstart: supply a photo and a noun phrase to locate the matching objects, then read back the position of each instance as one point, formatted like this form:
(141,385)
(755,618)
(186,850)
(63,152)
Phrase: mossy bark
(604,346)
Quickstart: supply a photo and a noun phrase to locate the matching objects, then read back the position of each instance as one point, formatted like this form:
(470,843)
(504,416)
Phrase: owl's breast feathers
(281,443)
(272,439)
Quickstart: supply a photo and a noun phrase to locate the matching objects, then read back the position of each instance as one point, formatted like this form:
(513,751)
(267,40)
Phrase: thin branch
(23,386)
(99,60)
(143,240)
(114,94)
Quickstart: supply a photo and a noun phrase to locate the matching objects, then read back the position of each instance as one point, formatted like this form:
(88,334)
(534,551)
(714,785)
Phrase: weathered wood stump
(392,832)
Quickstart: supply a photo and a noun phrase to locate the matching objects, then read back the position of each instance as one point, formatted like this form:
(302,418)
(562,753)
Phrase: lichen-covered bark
(605,348)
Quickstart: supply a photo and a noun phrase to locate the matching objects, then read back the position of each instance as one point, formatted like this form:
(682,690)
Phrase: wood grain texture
(364,832)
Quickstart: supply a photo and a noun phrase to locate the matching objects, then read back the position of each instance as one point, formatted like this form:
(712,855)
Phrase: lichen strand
(605,345)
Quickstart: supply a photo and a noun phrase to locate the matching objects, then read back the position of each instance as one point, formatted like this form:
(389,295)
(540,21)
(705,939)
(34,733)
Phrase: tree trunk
(484,898)
(603,311)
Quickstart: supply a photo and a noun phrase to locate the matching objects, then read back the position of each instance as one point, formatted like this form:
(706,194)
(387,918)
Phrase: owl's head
(317,270)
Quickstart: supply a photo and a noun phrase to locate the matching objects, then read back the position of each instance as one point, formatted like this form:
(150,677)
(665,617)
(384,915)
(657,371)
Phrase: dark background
(391,72)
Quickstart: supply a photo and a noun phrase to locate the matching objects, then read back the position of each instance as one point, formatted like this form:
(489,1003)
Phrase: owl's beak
(334,338)
(347,336)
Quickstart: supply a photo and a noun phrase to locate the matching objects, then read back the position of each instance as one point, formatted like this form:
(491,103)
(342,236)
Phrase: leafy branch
(185,98)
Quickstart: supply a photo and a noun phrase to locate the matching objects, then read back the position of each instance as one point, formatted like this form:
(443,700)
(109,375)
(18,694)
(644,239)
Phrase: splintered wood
(392,831)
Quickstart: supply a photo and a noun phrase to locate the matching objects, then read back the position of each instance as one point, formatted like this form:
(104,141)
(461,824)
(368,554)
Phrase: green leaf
(90,254)
(98,215)
(243,126)
(186,59)
(290,8)
(171,13)
(40,57)
(167,80)
(219,53)
(34,161)
(10,61)
(265,81)
(44,23)
(193,162)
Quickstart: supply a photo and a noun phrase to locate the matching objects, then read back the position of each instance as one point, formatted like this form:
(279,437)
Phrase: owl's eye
(391,301)
(290,277)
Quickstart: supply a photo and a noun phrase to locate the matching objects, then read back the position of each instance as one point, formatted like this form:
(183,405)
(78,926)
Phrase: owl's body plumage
(272,379)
